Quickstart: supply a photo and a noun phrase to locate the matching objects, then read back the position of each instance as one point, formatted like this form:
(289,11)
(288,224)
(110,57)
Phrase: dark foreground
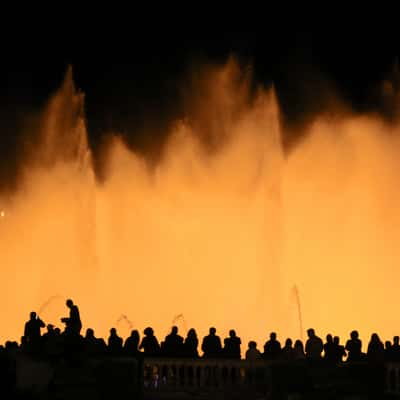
(162,378)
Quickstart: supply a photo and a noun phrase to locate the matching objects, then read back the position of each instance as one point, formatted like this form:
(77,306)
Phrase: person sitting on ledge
(338,350)
(353,347)
(91,344)
(211,345)
(287,353)
(314,346)
(150,345)
(272,348)
(131,346)
(252,352)
(376,350)
(232,346)
(191,343)
(173,344)
(396,349)
(114,343)
(388,351)
(298,350)
(329,349)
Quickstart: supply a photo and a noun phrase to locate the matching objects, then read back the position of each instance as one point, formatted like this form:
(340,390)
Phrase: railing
(392,384)
(201,374)
(206,375)
(187,375)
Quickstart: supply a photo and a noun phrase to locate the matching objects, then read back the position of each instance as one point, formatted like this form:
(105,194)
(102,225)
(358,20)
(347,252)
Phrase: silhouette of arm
(307,348)
(26,330)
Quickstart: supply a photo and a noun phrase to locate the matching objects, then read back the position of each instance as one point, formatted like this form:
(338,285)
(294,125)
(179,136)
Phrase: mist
(222,231)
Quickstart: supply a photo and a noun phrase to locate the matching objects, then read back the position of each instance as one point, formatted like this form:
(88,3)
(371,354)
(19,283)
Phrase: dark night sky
(130,72)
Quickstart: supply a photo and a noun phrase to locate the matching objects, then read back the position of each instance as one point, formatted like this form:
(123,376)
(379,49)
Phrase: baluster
(388,378)
(202,375)
(184,377)
(218,375)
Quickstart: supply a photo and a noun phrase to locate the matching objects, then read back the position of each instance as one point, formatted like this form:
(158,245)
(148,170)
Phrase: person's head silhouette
(212,331)
(135,334)
(272,336)
(192,333)
(354,335)
(174,330)
(33,315)
(336,340)
(69,303)
(89,333)
(232,333)
(311,333)
(288,342)
(148,331)
(375,338)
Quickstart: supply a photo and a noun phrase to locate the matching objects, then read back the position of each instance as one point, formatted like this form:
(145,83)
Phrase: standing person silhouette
(32,332)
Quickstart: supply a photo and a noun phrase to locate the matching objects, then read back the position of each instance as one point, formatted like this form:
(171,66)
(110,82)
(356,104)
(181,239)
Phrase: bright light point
(2,214)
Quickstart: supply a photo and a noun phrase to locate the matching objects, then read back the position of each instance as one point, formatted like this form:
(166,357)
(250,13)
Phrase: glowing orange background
(220,237)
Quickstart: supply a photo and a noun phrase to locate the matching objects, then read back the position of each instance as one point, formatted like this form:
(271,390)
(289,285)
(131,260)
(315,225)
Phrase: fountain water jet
(217,231)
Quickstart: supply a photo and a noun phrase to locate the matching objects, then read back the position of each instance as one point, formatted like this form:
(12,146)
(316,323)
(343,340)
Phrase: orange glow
(208,238)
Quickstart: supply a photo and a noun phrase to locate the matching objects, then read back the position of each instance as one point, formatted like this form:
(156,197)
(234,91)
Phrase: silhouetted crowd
(55,344)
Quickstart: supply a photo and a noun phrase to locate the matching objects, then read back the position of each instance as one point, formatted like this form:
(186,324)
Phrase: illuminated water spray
(124,318)
(180,319)
(295,291)
(218,233)
(47,303)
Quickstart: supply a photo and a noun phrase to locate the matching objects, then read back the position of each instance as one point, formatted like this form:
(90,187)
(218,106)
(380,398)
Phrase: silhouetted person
(338,350)
(94,346)
(114,343)
(49,332)
(73,324)
(329,349)
(388,351)
(173,344)
(211,345)
(252,352)
(287,353)
(131,346)
(395,349)
(376,350)
(376,359)
(314,346)
(298,350)
(150,345)
(91,348)
(272,348)
(232,346)
(191,344)
(32,332)
(51,343)
(353,347)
